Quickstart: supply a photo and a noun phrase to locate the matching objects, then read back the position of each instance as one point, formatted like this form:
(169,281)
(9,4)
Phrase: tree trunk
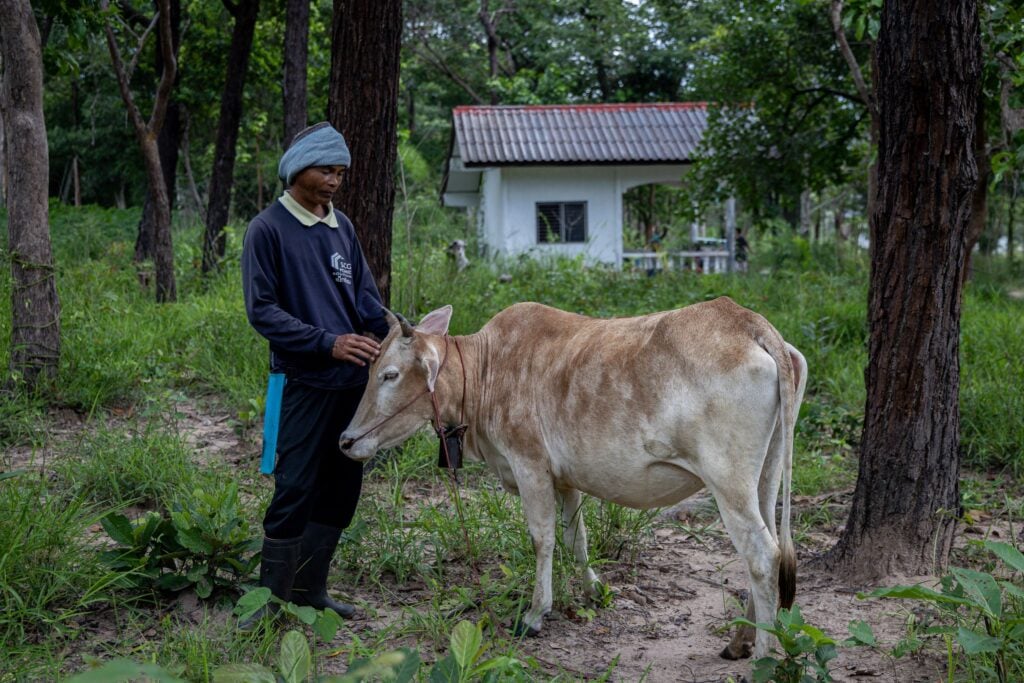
(35,307)
(3,143)
(168,142)
(489,21)
(363,105)
(906,500)
(222,176)
(296,54)
(1010,217)
(146,133)
(979,199)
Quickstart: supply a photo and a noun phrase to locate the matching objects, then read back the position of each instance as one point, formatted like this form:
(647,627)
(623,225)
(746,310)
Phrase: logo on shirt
(341,268)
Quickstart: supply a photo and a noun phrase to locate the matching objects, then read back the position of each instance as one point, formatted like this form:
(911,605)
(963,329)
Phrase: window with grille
(561,222)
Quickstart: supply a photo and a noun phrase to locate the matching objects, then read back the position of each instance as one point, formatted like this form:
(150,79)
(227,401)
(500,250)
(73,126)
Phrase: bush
(203,545)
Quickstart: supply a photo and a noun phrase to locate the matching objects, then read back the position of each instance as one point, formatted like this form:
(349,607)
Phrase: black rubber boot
(279,559)
(318,544)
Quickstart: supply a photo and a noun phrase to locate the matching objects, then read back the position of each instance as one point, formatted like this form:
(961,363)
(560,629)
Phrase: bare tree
(363,104)
(296,57)
(35,309)
(146,133)
(907,498)
(223,174)
(168,143)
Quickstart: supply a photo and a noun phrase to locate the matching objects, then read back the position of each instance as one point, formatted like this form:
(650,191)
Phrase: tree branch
(170,68)
(838,93)
(142,42)
(438,63)
(1012,119)
(844,47)
(119,71)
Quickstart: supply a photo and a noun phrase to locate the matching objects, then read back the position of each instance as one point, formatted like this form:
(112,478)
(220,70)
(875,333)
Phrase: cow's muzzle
(357,447)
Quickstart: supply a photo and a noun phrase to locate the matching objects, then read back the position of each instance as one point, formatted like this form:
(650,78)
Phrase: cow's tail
(791,392)
(791,410)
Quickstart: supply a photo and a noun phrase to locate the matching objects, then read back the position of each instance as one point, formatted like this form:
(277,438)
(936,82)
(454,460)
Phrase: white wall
(509,196)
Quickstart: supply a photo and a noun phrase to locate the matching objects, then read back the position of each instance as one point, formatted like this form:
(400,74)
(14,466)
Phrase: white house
(549,179)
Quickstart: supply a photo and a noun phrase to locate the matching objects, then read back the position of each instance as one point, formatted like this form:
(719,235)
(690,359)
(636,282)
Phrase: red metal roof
(579,133)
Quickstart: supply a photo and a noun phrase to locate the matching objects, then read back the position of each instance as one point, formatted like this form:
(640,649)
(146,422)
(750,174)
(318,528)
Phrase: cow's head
(397,402)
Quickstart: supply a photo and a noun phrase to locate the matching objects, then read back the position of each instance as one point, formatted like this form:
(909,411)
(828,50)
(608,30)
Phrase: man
(309,291)
(742,247)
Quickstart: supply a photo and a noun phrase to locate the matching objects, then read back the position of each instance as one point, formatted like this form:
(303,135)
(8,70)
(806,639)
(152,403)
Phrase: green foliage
(992,374)
(982,613)
(806,650)
(780,121)
(19,419)
(203,545)
(48,575)
(115,467)
(466,661)
(124,671)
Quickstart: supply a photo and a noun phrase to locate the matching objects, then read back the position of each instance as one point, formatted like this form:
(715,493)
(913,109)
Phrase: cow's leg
(742,643)
(755,545)
(575,536)
(538,496)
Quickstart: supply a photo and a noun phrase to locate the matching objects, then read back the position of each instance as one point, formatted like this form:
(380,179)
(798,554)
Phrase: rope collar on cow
(450,451)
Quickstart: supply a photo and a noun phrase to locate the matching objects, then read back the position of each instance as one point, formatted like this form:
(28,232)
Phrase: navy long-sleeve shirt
(304,286)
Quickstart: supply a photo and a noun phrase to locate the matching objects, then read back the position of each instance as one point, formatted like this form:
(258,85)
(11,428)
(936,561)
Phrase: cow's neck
(459,381)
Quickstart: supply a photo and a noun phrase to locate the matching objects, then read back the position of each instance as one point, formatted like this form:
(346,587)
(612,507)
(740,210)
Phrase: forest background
(80,439)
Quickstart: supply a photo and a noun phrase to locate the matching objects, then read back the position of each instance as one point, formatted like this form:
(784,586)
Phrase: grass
(125,357)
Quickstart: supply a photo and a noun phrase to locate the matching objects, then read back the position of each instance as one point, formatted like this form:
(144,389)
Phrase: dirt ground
(669,611)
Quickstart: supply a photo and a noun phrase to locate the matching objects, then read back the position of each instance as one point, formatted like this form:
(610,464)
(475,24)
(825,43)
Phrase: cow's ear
(433,366)
(436,322)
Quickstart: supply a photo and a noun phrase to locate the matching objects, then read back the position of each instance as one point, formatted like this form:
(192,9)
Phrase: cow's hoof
(520,629)
(732,652)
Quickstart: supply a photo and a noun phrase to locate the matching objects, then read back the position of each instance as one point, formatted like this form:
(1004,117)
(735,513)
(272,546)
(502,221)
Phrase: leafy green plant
(204,544)
(981,614)
(806,650)
(122,670)
(466,660)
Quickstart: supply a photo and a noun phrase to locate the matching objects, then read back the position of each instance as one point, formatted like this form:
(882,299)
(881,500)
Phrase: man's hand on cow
(355,348)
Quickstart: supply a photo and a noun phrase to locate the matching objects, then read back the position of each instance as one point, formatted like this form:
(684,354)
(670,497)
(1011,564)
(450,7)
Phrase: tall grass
(114,467)
(49,575)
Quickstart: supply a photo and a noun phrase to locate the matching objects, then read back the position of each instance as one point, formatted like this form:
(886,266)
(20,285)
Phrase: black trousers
(313,481)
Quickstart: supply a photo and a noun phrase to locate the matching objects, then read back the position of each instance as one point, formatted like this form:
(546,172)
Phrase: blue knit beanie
(318,145)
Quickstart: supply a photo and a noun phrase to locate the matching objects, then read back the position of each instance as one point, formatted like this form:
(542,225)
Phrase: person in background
(310,293)
(742,247)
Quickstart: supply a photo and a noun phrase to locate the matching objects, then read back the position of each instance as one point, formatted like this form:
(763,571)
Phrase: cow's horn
(406,325)
(390,317)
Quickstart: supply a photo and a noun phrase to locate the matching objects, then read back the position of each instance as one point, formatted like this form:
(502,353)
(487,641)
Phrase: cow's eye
(388,374)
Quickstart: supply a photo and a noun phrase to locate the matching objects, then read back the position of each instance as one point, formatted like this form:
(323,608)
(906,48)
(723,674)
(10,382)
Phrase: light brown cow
(640,411)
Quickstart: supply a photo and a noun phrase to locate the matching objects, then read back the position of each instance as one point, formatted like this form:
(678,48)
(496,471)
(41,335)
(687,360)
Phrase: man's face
(316,185)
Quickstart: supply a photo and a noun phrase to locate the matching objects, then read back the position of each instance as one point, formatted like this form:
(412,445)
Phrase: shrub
(203,545)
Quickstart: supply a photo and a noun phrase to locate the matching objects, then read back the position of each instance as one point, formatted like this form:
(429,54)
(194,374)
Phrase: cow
(642,411)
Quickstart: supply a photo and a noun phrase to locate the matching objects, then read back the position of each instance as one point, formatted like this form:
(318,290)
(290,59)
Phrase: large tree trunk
(35,309)
(222,176)
(907,498)
(363,105)
(296,53)
(168,142)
